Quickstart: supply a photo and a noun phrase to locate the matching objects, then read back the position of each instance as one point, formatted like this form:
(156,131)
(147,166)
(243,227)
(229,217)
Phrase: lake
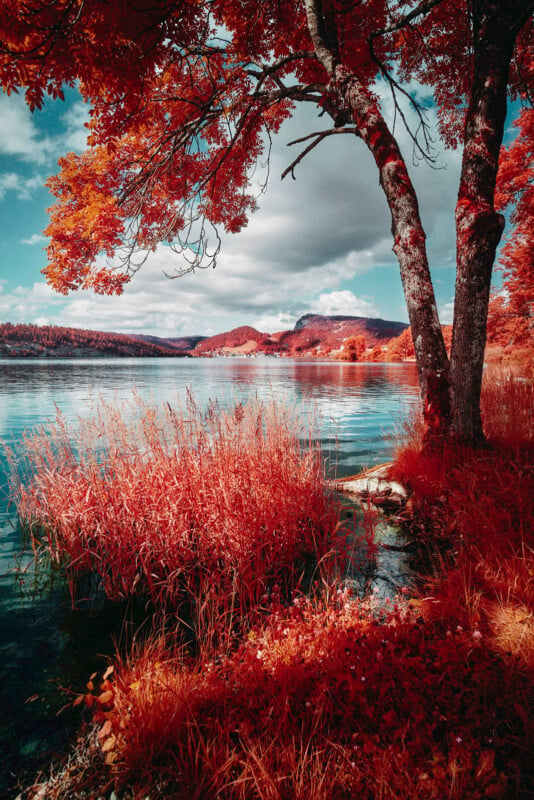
(43,644)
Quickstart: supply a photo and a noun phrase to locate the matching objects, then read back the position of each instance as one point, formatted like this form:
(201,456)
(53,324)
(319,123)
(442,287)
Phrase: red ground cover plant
(178,504)
(329,699)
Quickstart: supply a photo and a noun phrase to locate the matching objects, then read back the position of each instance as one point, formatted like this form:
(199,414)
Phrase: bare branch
(318,139)
(322,134)
(423,8)
(269,69)
(421,150)
(424,150)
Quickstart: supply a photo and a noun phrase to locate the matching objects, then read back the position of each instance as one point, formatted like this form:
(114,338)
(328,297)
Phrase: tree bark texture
(478,225)
(408,234)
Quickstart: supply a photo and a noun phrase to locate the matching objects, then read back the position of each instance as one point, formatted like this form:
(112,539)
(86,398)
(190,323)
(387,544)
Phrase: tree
(512,312)
(184,95)
(354,347)
(401,347)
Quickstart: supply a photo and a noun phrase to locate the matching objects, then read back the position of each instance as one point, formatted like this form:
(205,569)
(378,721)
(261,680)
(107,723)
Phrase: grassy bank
(474,514)
(317,695)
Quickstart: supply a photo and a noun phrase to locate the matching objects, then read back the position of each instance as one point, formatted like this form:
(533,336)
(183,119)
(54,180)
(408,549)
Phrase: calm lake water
(43,644)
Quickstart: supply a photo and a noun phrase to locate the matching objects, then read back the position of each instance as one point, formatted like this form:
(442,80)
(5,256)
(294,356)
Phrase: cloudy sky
(318,244)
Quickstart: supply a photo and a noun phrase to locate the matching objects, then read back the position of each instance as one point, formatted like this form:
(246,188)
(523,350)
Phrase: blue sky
(319,244)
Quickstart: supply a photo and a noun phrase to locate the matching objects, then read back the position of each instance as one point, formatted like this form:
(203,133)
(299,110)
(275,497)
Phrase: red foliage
(401,347)
(478,507)
(324,701)
(511,320)
(354,347)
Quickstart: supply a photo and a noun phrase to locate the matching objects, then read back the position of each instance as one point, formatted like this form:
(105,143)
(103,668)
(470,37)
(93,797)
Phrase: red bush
(475,511)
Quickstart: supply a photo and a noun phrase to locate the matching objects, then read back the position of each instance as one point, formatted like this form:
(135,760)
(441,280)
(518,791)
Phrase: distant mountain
(315,335)
(51,341)
(242,340)
(375,327)
(180,343)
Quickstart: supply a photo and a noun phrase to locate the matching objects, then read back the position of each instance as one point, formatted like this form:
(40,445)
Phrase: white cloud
(272,323)
(9,182)
(195,304)
(446,313)
(26,304)
(24,188)
(22,134)
(75,136)
(344,303)
(35,238)
(19,135)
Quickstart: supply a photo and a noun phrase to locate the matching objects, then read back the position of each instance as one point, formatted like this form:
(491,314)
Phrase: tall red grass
(475,511)
(176,504)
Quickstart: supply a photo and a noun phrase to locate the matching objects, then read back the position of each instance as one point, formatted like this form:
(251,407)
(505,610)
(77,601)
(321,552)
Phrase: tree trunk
(410,249)
(478,225)
(408,234)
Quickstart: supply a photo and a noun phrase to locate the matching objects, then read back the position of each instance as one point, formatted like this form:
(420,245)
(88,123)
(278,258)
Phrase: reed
(181,506)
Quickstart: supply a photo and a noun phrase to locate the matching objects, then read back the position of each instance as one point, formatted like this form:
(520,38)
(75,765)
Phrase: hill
(183,344)
(313,336)
(374,327)
(239,341)
(51,341)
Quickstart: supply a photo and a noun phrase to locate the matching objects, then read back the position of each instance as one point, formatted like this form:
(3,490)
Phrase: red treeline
(511,319)
(28,340)
(399,348)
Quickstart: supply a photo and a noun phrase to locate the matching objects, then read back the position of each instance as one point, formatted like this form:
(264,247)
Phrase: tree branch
(319,136)
(269,69)
(423,8)
(323,51)
(424,150)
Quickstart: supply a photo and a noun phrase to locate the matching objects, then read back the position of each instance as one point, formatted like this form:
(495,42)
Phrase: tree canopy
(184,97)
(512,311)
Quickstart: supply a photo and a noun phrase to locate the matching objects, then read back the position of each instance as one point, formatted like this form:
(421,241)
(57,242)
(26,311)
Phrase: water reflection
(360,404)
